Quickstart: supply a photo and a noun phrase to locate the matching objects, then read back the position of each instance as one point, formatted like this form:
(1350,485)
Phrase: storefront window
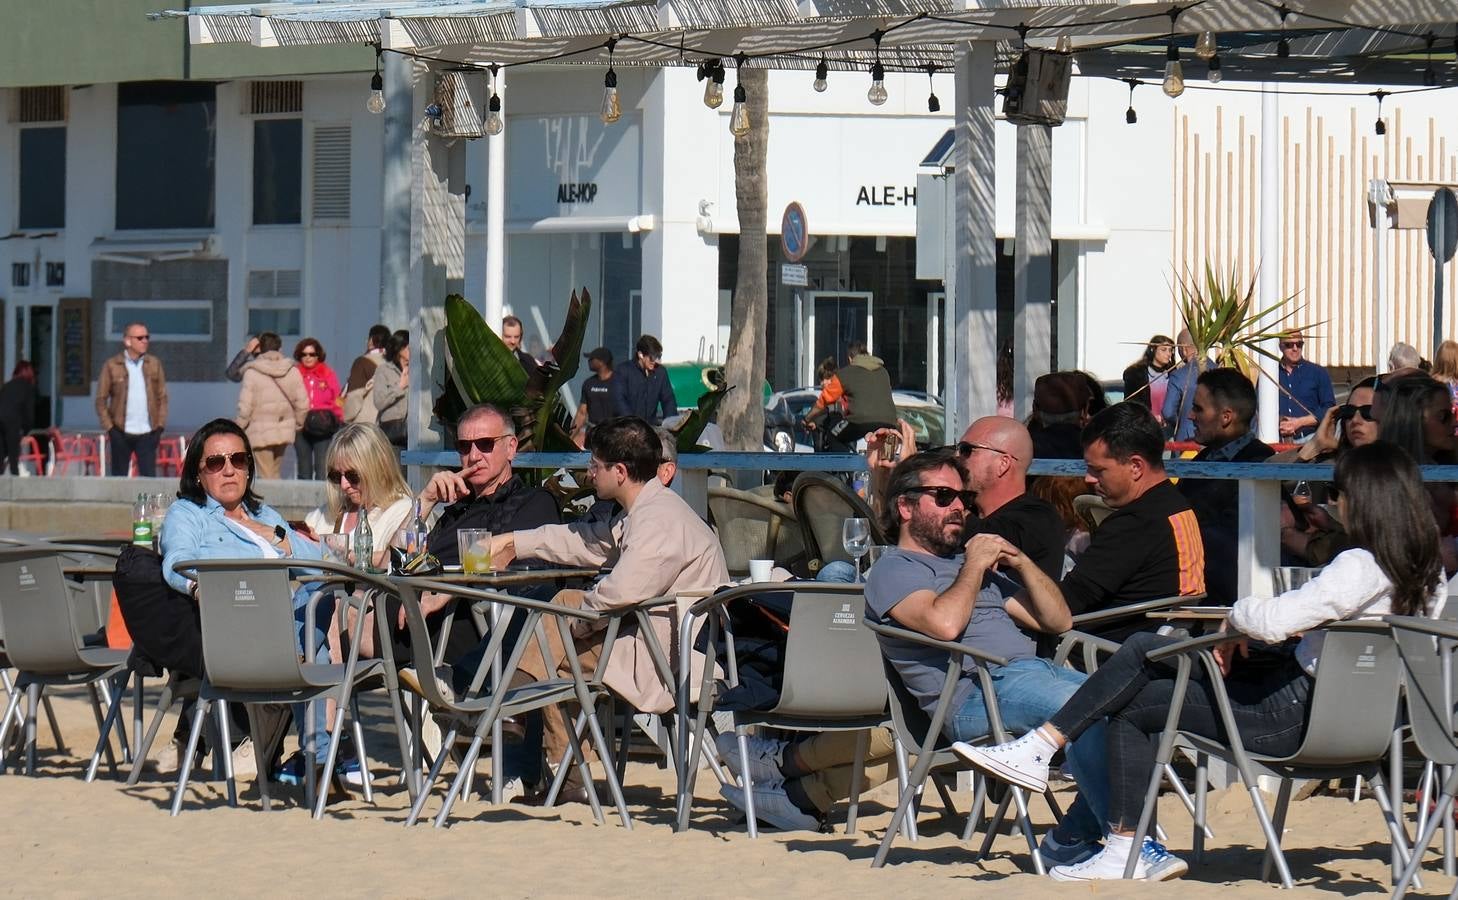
(544,270)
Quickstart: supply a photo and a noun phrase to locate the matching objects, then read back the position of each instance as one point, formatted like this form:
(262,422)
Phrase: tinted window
(278,171)
(165,140)
(42,178)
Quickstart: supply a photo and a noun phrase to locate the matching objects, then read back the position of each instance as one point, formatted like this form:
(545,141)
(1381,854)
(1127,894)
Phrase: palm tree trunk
(741,418)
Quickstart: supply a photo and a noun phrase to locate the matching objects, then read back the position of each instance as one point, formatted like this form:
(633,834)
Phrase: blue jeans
(1029,691)
(838,571)
(316,736)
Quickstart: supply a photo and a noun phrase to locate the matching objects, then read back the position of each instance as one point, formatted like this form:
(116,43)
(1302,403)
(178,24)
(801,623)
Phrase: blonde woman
(1445,369)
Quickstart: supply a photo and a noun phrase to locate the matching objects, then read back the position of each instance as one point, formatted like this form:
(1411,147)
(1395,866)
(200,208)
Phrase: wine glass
(855,536)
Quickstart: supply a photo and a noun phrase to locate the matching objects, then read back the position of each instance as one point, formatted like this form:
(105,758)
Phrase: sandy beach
(65,838)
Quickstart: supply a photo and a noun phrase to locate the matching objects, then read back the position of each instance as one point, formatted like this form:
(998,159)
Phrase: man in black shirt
(1225,404)
(511,337)
(597,395)
(642,388)
(997,451)
(1150,546)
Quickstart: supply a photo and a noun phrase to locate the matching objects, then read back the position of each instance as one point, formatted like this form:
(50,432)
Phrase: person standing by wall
(1306,392)
(359,405)
(511,337)
(323,418)
(392,387)
(272,405)
(17,413)
(131,402)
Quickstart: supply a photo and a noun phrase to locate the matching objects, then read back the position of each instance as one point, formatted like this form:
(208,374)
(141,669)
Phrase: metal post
(972,322)
(1439,239)
(1379,200)
(1032,264)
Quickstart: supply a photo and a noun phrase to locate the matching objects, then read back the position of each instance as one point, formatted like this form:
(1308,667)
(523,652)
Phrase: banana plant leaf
(686,437)
(483,369)
(550,432)
(449,404)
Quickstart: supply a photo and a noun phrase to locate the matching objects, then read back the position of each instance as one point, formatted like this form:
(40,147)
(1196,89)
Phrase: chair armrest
(321,571)
(1115,613)
(1437,628)
(479,597)
(1092,644)
(718,599)
(775,507)
(1193,645)
(917,637)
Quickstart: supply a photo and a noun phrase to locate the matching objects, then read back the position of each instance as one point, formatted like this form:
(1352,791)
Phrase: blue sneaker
(1057,853)
(291,772)
(349,771)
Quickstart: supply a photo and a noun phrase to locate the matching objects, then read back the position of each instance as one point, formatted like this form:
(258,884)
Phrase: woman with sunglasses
(362,473)
(325,408)
(1146,381)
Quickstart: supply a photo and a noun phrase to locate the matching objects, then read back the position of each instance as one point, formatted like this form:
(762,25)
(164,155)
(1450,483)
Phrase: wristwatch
(278,535)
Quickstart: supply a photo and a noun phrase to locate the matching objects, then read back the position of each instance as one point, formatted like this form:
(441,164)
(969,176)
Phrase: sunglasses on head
(484,444)
(1287,345)
(239,460)
(1347,411)
(943,496)
(350,475)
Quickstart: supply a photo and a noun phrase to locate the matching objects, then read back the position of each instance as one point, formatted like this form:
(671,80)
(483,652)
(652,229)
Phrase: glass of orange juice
(475,547)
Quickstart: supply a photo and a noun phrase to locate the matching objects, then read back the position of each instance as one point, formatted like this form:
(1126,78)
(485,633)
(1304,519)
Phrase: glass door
(833,319)
(34,339)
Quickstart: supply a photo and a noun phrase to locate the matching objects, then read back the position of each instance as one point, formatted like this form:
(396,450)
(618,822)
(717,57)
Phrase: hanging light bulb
(376,101)
(711,73)
(822,72)
(1174,73)
(877,93)
(1283,46)
(739,118)
(1212,72)
(1130,116)
(494,122)
(1064,45)
(612,107)
(932,103)
(1205,47)
(1380,126)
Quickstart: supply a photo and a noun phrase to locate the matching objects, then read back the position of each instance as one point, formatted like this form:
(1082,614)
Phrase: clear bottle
(364,542)
(142,534)
(421,531)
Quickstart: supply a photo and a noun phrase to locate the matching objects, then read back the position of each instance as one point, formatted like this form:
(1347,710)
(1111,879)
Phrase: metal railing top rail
(852,462)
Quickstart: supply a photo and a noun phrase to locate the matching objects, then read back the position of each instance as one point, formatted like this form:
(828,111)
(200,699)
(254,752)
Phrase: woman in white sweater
(1393,567)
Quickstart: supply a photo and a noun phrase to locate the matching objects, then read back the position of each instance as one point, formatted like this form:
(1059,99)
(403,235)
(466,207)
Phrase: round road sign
(794,233)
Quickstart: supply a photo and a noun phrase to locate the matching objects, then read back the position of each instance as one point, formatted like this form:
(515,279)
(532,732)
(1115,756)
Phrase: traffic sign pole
(1442,241)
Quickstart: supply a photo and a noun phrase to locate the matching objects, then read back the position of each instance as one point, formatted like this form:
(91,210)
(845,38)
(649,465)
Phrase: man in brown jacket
(131,402)
(660,547)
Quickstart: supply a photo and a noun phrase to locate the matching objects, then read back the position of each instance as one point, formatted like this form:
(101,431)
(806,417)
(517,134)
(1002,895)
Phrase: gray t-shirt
(900,573)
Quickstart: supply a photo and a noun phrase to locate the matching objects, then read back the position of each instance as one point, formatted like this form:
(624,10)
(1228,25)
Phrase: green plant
(1225,323)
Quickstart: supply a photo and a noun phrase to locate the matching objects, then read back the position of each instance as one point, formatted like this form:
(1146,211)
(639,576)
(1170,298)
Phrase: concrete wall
(81,507)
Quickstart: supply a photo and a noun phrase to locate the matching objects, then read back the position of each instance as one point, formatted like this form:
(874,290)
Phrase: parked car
(784,415)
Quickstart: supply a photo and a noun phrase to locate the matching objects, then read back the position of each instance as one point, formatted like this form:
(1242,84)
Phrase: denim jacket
(202,532)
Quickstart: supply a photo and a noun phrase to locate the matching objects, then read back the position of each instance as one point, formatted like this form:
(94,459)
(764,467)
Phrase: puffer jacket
(273,402)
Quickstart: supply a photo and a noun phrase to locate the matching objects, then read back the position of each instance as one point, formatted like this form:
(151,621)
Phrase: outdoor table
(1197,619)
(502,581)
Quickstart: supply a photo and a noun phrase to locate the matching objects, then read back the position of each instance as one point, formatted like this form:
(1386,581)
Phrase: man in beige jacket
(657,546)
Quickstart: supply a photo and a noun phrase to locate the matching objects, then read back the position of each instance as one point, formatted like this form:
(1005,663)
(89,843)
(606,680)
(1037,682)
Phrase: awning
(143,250)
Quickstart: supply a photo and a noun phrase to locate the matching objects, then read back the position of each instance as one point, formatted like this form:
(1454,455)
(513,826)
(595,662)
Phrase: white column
(396,179)
(496,216)
(1379,198)
(971,335)
(1259,546)
(1032,263)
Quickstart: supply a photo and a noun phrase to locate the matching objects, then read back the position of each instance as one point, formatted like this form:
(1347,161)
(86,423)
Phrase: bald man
(997,451)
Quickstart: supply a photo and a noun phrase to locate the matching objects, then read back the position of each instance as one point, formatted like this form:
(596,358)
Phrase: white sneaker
(1155,863)
(1023,762)
(772,806)
(245,765)
(765,756)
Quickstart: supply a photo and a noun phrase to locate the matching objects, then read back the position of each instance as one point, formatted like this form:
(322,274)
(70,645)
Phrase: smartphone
(891,445)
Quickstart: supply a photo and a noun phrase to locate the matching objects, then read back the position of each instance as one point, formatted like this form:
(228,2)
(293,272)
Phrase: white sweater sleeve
(1349,584)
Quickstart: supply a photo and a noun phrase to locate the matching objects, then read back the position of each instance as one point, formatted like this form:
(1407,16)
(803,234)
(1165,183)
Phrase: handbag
(320,424)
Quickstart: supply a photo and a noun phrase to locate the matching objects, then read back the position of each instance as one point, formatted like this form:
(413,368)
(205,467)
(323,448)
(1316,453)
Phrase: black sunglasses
(966,448)
(240,460)
(484,444)
(1347,411)
(1287,345)
(943,496)
(335,476)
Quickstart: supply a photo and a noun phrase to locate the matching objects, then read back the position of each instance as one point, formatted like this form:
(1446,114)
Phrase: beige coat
(273,401)
(661,547)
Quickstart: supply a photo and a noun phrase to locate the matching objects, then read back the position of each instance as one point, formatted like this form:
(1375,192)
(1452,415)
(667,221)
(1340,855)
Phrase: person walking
(17,413)
(359,404)
(642,389)
(392,387)
(272,405)
(131,402)
(597,395)
(323,418)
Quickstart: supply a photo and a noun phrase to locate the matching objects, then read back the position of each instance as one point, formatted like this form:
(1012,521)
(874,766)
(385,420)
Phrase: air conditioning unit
(460,104)
(1037,89)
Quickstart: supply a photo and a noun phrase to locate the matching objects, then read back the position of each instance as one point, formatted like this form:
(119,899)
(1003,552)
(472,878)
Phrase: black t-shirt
(597,393)
(1144,551)
(1032,525)
(513,507)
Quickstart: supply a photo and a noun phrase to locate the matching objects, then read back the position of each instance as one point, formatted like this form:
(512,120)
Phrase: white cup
(760,569)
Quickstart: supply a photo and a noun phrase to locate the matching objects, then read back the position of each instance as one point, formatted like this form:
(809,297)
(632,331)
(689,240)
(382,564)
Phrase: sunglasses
(1347,411)
(484,444)
(240,460)
(141,337)
(1287,345)
(308,354)
(335,476)
(966,448)
(943,496)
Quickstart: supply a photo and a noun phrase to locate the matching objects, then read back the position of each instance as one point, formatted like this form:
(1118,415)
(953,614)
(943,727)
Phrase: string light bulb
(822,73)
(1380,126)
(932,103)
(1174,73)
(739,123)
(494,121)
(1205,47)
(612,107)
(376,101)
(712,74)
(1283,46)
(1130,116)
(877,92)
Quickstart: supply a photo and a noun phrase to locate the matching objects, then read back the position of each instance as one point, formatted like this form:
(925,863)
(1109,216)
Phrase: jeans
(121,446)
(1133,695)
(313,733)
(837,571)
(311,453)
(1029,690)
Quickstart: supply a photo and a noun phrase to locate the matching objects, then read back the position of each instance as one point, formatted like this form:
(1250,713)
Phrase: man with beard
(931,583)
